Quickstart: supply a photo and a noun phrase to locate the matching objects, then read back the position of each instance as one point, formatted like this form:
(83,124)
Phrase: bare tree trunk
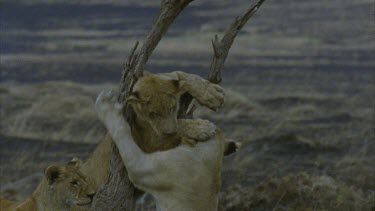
(119,193)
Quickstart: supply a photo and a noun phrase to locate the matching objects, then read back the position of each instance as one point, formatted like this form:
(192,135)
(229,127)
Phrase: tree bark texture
(119,193)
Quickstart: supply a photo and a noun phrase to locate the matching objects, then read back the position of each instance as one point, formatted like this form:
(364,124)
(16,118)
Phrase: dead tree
(119,193)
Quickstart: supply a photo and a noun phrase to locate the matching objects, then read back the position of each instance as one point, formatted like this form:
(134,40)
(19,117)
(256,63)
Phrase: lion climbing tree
(119,193)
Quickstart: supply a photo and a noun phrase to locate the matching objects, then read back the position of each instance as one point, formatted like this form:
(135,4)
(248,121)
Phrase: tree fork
(119,193)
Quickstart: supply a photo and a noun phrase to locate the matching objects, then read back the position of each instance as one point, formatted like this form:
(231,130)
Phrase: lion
(63,187)
(155,100)
(181,178)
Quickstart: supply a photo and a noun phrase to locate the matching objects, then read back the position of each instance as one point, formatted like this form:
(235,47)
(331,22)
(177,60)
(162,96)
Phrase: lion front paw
(203,129)
(107,106)
(196,129)
(211,95)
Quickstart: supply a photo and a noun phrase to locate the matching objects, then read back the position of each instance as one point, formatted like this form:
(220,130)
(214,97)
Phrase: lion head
(69,185)
(155,100)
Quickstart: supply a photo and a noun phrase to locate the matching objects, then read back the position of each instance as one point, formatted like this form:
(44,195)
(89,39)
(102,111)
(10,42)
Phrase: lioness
(62,187)
(182,178)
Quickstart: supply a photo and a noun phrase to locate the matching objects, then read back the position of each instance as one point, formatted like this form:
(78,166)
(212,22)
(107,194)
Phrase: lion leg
(206,93)
(109,112)
(144,169)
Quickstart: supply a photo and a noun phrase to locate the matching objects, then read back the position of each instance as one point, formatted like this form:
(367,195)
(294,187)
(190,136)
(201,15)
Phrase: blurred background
(300,81)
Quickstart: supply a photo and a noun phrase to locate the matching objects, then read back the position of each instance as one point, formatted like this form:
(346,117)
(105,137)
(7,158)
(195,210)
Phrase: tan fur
(182,178)
(62,187)
(163,91)
(96,168)
(155,100)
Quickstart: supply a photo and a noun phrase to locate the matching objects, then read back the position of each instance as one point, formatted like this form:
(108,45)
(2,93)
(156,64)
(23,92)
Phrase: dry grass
(327,135)
(51,111)
(297,192)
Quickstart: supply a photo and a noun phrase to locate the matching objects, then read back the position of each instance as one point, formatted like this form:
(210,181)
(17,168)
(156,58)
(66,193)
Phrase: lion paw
(196,129)
(106,106)
(211,95)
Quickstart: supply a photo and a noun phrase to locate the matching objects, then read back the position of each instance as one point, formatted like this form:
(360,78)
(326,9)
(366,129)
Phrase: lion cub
(62,187)
(155,100)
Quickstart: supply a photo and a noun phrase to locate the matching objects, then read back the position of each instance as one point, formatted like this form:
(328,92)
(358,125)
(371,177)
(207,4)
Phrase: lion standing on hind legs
(155,100)
(170,9)
(183,178)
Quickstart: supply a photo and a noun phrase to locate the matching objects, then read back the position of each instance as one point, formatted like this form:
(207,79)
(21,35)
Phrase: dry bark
(119,193)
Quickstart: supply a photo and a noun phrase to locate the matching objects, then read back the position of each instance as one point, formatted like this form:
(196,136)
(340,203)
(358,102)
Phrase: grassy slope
(327,134)
(300,74)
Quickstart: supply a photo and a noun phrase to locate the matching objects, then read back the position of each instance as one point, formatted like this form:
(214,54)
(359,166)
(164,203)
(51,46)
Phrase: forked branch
(221,50)
(119,193)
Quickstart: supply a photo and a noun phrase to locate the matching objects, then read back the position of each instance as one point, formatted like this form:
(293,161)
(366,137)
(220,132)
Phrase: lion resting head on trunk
(62,187)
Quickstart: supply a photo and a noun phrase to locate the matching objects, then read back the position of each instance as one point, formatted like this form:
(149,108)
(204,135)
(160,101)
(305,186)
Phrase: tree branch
(119,193)
(170,10)
(221,50)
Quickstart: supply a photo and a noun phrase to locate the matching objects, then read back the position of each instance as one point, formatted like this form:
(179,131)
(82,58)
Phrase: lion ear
(179,86)
(52,174)
(75,162)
